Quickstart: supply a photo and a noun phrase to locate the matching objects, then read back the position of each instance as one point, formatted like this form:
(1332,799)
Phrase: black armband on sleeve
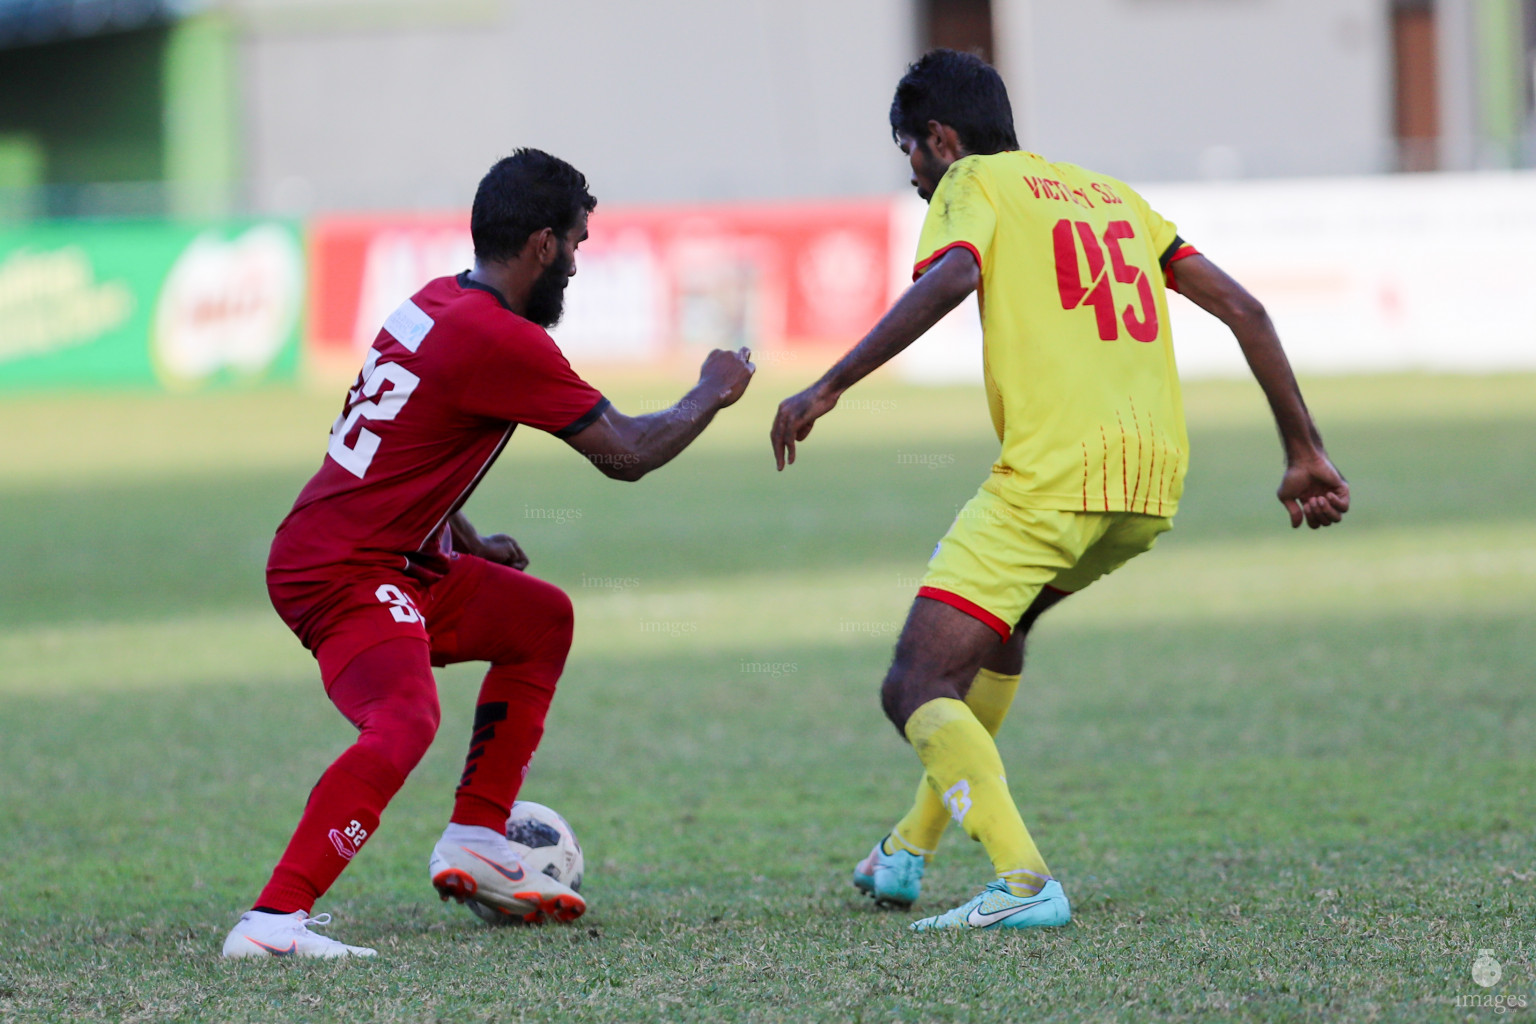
(590,417)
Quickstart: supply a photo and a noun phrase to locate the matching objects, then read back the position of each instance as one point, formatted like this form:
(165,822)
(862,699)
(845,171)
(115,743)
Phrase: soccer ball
(545,842)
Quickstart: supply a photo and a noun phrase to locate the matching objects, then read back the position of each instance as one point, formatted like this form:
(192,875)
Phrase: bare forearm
(1256,336)
(465,537)
(1210,288)
(628,447)
(1312,490)
(937,292)
(659,437)
(899,328)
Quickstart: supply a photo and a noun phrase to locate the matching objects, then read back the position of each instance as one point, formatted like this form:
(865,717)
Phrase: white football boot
(259,933)
(470,862)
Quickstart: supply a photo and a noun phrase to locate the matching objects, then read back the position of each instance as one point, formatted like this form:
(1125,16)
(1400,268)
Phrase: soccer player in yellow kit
(1070,268)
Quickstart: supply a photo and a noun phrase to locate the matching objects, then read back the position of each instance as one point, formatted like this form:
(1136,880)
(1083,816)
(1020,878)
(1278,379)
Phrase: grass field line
(1294,577)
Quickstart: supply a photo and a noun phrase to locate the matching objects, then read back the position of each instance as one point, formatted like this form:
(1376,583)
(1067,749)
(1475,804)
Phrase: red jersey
(450,375)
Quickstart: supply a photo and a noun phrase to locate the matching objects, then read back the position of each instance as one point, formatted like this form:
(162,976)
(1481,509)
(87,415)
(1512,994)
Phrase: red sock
(509,722)
(388,692)
(521,625)
(343,811)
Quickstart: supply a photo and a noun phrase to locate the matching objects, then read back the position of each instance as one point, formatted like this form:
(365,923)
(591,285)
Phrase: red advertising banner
(652,283)
(362,267)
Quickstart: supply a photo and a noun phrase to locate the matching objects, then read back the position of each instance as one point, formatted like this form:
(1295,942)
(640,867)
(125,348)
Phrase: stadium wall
(1191,89)
(374,106)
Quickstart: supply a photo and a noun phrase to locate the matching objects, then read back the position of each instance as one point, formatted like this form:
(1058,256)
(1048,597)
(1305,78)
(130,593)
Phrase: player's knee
(893,713)
(416,734)
(913,681)
(552,626)
(895,699)
(535,627)
(429,717)
(404,731)
(562,621)
(547,628)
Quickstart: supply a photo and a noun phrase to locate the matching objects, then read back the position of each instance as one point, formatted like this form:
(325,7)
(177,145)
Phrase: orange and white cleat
(471,863)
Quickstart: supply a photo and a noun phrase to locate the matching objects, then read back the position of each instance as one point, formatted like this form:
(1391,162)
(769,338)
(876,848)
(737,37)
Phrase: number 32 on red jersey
(365,402)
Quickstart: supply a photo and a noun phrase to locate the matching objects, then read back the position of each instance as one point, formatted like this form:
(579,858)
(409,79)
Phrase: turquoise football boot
(893,879)
(997,907)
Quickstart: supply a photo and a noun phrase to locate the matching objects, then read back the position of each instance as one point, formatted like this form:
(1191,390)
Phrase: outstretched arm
(628,447)
(1312,489)
(938,291)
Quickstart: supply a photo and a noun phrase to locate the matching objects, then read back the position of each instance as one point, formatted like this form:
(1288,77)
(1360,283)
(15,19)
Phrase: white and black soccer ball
(545,842)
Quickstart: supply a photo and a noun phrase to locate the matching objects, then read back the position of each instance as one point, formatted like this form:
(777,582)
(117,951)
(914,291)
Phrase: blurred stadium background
(195,192)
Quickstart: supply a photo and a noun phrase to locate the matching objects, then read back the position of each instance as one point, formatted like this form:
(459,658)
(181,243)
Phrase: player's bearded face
(546,303)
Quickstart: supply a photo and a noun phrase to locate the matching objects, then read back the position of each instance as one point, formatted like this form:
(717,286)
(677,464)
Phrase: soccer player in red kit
(381,576)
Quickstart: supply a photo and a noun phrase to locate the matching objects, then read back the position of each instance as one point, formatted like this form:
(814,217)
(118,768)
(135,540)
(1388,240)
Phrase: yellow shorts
(995,559)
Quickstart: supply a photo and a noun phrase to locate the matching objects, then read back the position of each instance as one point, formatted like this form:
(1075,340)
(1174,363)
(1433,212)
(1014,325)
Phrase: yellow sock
(990,697)
(918,832)
(964,769)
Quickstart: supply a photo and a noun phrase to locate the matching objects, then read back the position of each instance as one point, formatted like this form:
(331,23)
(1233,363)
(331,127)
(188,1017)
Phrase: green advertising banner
(149,305)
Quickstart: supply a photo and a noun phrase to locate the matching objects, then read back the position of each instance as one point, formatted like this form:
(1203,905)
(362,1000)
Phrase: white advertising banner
(1361,275)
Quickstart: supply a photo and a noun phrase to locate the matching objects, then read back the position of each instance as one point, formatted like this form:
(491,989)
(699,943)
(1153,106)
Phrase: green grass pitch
(1283,776)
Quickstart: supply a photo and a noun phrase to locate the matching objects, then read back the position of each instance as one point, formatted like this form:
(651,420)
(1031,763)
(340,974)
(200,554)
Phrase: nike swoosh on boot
(512,875)
(293,947)
(982,920)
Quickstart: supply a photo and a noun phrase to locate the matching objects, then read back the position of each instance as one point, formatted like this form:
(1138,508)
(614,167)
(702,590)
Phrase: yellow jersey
(1078,355)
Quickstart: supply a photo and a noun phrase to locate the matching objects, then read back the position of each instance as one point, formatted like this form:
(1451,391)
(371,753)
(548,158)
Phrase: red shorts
(339,618)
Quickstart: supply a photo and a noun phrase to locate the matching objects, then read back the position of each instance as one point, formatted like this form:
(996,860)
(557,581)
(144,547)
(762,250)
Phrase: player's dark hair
(960,90)
(523,193)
